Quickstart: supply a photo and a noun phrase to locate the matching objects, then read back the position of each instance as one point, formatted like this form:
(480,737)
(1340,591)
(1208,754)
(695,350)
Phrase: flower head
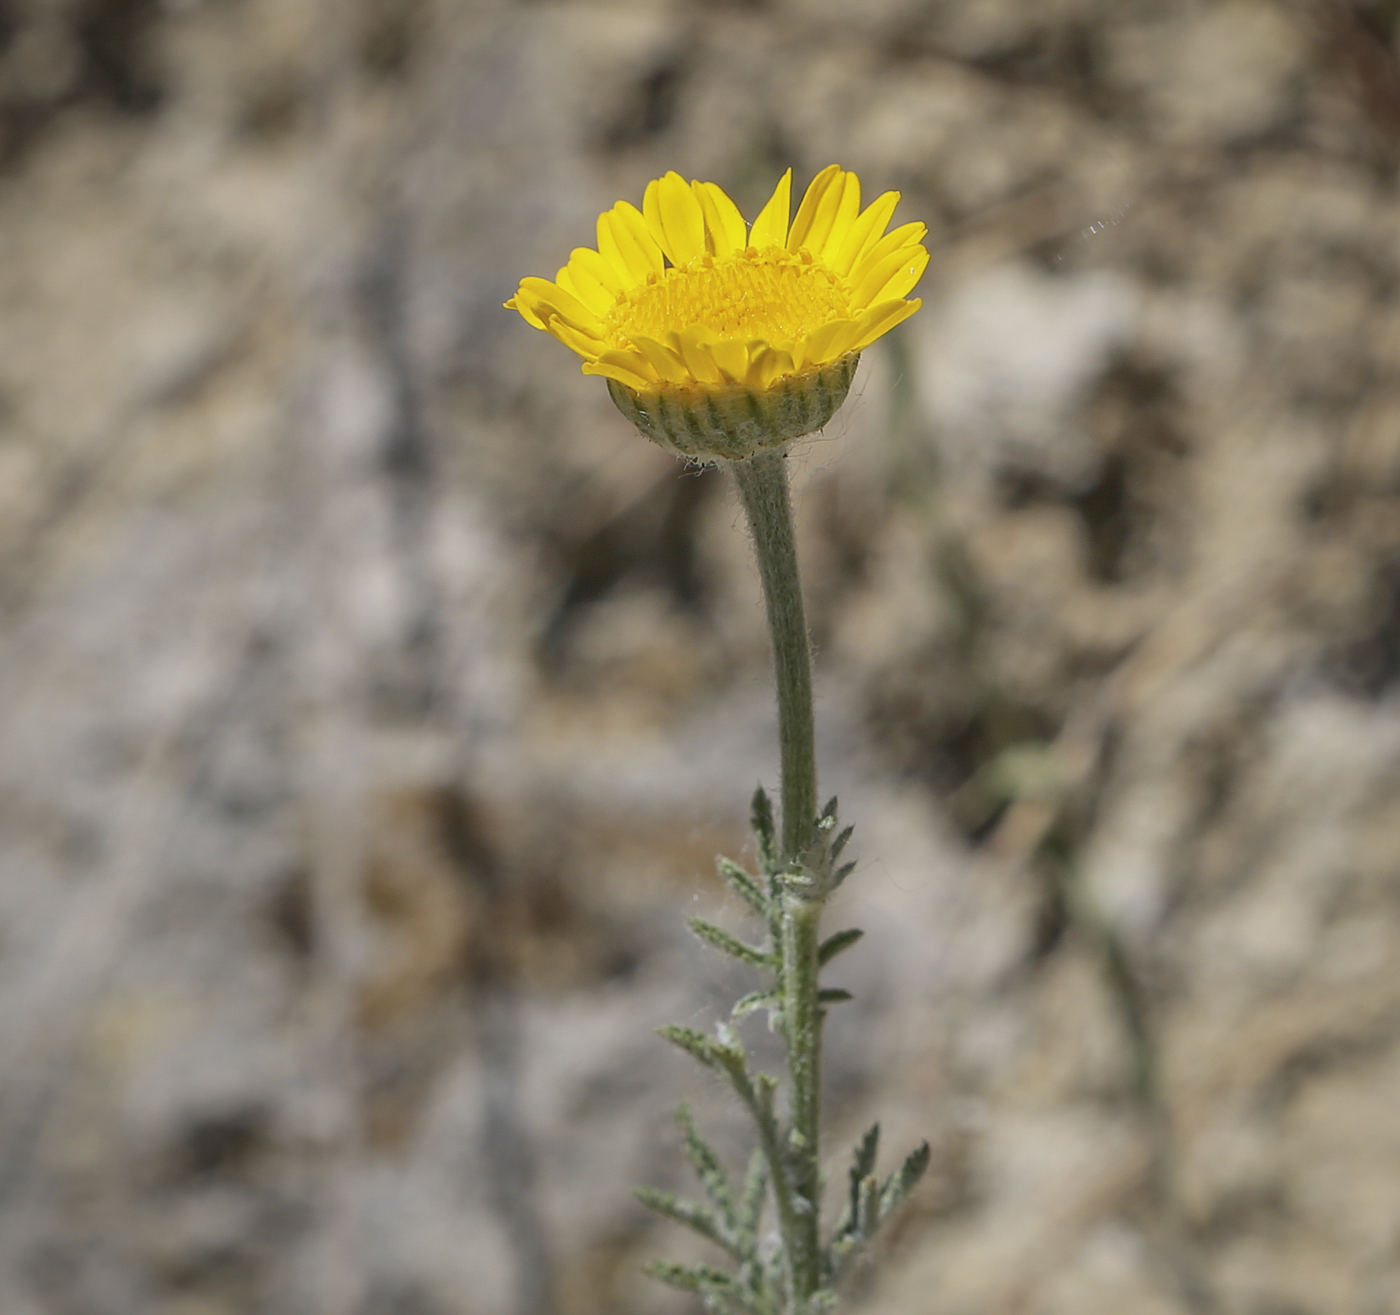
(720,339)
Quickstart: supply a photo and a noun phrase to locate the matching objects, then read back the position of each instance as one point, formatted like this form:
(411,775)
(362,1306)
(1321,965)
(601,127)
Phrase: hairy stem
(802,1028)
(764,488)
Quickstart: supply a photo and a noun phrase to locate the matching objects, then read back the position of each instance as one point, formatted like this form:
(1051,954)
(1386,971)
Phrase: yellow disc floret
(721,339)
(770,294)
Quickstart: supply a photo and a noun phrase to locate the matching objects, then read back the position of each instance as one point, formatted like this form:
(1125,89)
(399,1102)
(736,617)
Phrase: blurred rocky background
(374,703)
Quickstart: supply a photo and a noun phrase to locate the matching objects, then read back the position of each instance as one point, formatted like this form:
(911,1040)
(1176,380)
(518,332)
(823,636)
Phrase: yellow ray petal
(732,357)
(691,347)
(770,229)
(674,218)
(881,319)
(904,266)
(585,344)
(847,208)
(817,210)
(906,235)
(630,368)
(725,230)
(904,278)
(828,342)
(865,232)
(576,280)
(526,309)
(623,241)
(546,297)
(768,363)
(588,260)
(667,364)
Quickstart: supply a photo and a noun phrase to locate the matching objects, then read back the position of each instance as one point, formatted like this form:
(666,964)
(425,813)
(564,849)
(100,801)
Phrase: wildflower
(718,339)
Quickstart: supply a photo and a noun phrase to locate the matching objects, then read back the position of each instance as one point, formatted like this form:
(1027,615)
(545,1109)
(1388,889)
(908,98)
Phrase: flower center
(773,294)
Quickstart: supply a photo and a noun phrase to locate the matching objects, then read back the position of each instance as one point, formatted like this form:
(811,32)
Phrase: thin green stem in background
(763,486)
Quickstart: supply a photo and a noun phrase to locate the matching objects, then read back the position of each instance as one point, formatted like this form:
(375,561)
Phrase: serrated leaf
(833,945)
(743,885)
(902,1182)
(727,943)
(833,995)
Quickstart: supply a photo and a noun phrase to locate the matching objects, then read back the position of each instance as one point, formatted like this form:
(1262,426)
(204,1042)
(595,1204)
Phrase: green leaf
(863,1161)
(755,1191)
(901,1183)
(755,1000)
(840,843)
(720,1292)
(692,1215)
(727,943)
(868,1209)
(862,1166)
(833,945)
(743,885)
(695,1044)
(833,995)
(841,874)
(708,1170)
(828,814)
(761,814)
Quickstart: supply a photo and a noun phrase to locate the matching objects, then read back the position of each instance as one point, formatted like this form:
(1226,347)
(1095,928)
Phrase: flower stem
(763,486)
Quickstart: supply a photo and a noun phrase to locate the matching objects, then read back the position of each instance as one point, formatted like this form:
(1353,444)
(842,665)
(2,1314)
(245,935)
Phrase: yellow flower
(721,340)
